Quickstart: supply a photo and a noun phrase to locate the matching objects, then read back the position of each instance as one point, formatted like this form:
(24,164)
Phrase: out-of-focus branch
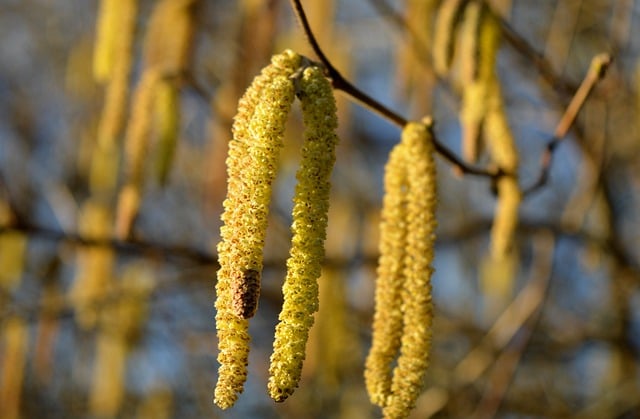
(599,65)
(340,83)
(523,314)
(512,319)
(131,246)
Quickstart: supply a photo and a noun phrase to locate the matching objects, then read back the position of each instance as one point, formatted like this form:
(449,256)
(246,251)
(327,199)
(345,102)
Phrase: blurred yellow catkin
(13,246)
(94,264)
(404,311)
(252,162)
(107,390)
(310,210)
(167,115)
(113,55)
(498,270)
(166,50)
(120,322)
(107,28)
(136,148)
(445,31)
(468,43)
(14,347)
(478,54)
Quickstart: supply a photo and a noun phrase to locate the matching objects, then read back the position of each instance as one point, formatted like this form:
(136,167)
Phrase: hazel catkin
(311,205)
(387,319)
(258,132)
(417,308)
(403,308)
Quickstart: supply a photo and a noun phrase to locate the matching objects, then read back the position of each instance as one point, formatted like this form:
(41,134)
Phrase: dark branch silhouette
(340,83)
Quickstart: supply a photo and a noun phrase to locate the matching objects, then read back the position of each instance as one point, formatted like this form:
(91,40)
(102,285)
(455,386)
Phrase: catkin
(107,389)
(258,132)
(168,40)
(311,205)
(93,276)
(403,308)
(166,54)
(14,341)
(119,50)
(167,112)
(136,145)
(107,28)
(480,43)
(13,249)
(468,48)
(446,23)
(387,320)
(501,145)
(408,376)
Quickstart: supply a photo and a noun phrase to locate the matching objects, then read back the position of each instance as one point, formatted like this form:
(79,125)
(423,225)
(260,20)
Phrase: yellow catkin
(117,52)
(311,206)
(501,145)
(468,44)
(128,206)
(387,320)
(107,28)
(120,323)
(478,75)
(94,264)
(13,246)
(169,36)
(115,104)
(506,216)
(167,112)
(139,127)
(498,135)
(258,132)
(446,23)
(169,53)
(417,308)
(14,348)
(136,145)
(499,269)
(107,389)
(166,50)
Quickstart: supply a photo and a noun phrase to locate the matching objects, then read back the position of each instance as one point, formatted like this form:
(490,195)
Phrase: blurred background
(101,320)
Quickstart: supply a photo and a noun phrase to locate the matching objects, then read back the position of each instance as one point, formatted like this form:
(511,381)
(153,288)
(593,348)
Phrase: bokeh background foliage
(107,322)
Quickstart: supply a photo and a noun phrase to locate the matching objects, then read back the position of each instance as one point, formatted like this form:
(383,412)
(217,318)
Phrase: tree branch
(340,83)
(597,70)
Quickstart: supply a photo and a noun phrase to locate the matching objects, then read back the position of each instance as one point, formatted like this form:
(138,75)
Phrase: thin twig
(511,320)
(342,84)
(506,364)
(338,81)
(597,70)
